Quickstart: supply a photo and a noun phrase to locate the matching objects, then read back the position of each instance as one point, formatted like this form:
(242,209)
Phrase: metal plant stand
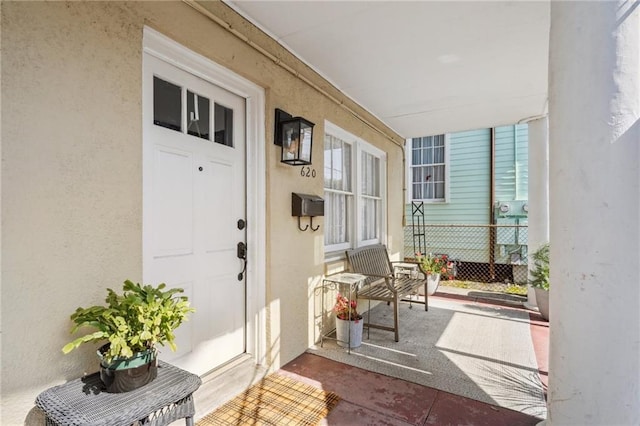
(339,282)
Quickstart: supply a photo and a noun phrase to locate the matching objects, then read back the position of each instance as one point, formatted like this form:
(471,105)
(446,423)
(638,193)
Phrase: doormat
(275,400)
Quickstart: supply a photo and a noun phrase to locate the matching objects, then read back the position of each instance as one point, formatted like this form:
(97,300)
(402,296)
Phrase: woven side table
(84,402)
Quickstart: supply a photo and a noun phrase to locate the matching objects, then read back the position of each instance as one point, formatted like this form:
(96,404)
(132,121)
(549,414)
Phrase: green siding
(469,190)
(512,159)
(469,174)
(468,181)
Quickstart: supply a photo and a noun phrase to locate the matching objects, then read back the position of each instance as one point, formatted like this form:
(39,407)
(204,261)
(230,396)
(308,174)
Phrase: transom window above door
(185,111)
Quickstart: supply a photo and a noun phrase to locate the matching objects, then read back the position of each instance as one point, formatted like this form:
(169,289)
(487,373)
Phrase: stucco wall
(72,180)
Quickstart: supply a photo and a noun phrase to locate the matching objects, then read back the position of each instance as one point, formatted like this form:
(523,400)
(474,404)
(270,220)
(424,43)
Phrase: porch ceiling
(421,67)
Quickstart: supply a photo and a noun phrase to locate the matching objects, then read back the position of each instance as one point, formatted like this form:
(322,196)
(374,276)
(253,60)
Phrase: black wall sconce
(307,205)
(295,136)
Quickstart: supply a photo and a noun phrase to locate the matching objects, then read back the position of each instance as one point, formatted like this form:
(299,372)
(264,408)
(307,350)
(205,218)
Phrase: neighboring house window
(428,168)
(353,191)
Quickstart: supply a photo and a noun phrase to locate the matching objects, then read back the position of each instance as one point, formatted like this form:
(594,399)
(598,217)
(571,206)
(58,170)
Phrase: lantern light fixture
(295,136)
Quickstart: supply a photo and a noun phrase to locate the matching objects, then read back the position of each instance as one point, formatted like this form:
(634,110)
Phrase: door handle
(242,254)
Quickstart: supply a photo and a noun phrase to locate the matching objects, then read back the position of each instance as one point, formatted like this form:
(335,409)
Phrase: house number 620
(307,171)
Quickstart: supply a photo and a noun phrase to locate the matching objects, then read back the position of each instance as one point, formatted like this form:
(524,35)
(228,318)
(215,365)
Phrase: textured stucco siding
(72,175)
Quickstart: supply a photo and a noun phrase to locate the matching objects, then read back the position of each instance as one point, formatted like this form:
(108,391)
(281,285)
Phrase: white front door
(194,196)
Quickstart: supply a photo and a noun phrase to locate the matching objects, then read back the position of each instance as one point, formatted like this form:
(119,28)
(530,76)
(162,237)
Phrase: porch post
(594,157)
(538,201)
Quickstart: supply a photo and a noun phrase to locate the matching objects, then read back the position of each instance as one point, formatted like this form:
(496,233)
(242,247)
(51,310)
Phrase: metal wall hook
(300,227)
(311,222)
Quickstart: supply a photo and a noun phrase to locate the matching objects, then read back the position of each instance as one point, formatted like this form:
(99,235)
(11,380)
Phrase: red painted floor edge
(540,339)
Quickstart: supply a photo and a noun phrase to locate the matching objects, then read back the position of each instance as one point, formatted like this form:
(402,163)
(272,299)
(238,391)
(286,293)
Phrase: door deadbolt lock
(242,250)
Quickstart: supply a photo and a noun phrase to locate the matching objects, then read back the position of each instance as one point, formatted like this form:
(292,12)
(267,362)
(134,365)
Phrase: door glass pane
(197,115)
(223,125)
(167,104)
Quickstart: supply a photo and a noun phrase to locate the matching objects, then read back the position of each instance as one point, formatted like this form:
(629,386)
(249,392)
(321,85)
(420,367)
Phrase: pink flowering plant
(346,309)
(436,264)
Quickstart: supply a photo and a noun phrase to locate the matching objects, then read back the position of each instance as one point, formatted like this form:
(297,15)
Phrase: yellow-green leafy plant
(136,320)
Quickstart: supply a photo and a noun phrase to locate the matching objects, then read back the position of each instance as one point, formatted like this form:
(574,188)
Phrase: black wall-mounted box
(306,205)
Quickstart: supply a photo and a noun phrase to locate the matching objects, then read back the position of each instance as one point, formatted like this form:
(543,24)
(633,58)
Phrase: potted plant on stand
(349,324)
(539,279)
(435,267)
(132,324)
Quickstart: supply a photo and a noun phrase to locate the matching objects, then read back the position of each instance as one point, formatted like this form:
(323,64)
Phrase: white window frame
(354,232)
(409,174)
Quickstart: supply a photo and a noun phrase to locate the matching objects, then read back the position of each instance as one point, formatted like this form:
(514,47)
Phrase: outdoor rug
(482,352)
(275,400)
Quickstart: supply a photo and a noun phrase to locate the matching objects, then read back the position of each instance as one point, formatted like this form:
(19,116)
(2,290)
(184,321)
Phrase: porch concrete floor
(373,399)
(370,398)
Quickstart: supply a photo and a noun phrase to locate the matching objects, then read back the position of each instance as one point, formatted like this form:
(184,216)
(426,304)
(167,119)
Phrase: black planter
(127,374)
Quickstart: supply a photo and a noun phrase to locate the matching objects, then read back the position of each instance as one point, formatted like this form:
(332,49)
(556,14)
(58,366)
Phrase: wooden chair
(382,284)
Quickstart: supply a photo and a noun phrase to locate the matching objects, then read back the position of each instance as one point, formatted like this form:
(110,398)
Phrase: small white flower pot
(433,280)
(346,329)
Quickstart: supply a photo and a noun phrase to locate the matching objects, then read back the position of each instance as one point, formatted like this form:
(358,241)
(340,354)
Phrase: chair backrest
(373,260)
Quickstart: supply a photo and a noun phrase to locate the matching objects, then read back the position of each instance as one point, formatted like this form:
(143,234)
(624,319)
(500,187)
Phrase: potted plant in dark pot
(349,324)
(539,279)
(132,324)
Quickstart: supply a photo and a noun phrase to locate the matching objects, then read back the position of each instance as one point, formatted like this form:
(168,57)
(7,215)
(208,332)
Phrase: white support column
(538,217)
(594,163)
